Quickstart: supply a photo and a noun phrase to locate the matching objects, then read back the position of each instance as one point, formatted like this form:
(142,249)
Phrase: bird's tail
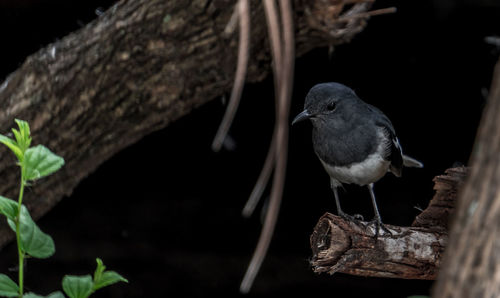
(411,162)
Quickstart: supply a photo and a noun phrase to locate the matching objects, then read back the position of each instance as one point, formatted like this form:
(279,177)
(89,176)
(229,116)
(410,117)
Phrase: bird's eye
(331,106)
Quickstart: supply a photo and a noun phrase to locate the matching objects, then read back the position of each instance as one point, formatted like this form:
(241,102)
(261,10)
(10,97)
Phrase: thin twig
(284,94)
(289,59)
(367,14)
(263,179)
(233,21)
(274,32)
(241,71)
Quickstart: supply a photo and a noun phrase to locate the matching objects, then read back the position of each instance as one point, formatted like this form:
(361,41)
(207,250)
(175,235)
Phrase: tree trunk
(472,259)
(135,69)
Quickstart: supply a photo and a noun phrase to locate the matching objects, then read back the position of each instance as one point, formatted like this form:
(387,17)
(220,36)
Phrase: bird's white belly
(368,171)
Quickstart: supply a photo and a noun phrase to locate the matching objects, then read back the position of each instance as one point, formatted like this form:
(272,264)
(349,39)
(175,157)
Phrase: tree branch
(410,252)
(138,67)
(341,246)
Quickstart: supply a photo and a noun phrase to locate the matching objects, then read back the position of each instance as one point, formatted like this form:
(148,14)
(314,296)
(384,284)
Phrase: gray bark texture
(135,69)
(413,252)
(471,266)
(409,252)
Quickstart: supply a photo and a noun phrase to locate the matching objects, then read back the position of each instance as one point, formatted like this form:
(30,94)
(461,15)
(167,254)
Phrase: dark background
(165,212)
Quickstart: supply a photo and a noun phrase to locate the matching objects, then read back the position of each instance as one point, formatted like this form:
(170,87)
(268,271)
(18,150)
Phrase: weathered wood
(410,252)
(472,260)
(341,246)
(437,215)
(138,67)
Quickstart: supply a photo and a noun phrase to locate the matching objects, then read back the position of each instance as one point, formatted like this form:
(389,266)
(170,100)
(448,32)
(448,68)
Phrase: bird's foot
(357,218)
(379,225)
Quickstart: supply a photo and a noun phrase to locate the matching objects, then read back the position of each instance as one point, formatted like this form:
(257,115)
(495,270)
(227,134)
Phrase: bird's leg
(356,218)
(377,220)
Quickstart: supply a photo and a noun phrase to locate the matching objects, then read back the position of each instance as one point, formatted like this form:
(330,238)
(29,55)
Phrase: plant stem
(18,237)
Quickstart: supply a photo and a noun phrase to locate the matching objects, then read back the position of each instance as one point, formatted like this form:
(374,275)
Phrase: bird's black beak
(302,116)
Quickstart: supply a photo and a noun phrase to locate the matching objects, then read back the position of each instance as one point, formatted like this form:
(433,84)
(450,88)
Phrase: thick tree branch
(410,252)
(341,246)
(135,69)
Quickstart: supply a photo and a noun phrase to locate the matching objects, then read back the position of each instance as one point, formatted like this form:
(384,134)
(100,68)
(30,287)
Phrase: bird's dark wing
(396,156)
(394,153)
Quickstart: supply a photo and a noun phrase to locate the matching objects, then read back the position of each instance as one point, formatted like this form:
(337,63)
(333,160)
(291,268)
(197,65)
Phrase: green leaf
(12,145)
(22,135)
(33,241)
(77,286)
(57,294)
(8,208)
(32,295)
(8,288)
(99,270)
(17,135)
(108,278)
(104,278)
(11,224)
(22,139)
(39,162)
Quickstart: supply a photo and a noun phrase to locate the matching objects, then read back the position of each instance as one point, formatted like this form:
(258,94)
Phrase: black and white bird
(355,141)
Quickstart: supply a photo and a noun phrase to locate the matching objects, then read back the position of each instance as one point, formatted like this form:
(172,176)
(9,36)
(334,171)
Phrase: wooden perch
(342,246)
(410,252)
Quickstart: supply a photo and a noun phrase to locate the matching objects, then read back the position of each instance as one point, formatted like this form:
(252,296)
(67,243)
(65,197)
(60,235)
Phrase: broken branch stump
(408,252)
(342,246)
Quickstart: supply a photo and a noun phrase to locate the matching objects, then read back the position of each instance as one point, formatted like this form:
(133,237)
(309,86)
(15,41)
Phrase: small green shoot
(38,162)
(104,278)
(83,286)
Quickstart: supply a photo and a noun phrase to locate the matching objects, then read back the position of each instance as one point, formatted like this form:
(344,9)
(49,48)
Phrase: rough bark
(409,252)
(437,215)
(472,259)
(341,246)
(135,69)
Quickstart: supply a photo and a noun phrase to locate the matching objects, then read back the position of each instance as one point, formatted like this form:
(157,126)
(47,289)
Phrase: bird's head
(325,101)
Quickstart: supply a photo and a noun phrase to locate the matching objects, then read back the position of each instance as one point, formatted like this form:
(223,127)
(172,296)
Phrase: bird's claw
(357,218)
(379,225)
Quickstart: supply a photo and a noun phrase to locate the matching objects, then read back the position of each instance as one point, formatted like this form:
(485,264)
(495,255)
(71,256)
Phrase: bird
(355,141)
